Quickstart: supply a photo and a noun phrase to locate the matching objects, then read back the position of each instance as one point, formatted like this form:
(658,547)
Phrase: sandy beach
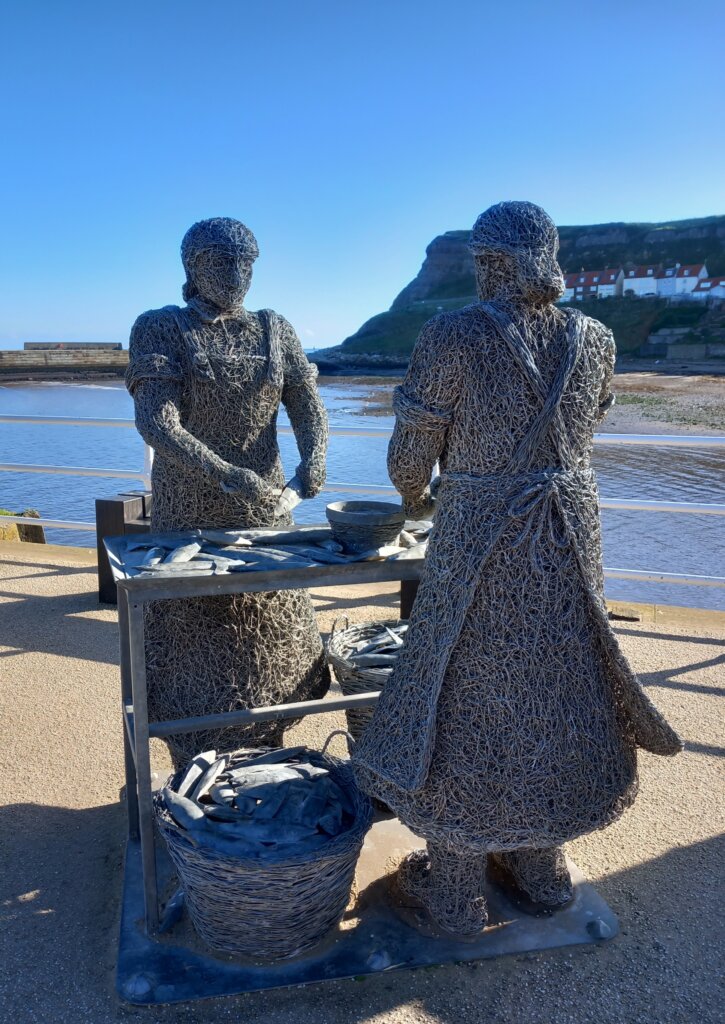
(650,402)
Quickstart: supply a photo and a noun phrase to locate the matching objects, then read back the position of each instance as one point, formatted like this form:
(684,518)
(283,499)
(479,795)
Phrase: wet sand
(667,403)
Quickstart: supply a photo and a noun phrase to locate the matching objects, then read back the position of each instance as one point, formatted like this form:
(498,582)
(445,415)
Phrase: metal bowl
(365,525)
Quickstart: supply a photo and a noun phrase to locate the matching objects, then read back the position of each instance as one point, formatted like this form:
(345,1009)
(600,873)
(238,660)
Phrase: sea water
(653,541)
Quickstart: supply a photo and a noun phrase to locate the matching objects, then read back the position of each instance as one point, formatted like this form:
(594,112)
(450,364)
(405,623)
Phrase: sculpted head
(218,255)
(514,247)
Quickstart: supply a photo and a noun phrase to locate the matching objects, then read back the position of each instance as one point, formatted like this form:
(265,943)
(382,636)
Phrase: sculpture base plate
(378,934)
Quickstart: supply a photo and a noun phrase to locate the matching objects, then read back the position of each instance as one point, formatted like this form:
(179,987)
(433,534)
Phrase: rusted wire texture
(207,381)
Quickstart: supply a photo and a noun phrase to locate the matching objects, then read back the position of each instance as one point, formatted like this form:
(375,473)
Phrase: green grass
(631,321)
(395,332)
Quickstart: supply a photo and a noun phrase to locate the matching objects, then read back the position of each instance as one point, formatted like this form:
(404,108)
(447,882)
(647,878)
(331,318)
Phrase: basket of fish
(265,843)
(362,658)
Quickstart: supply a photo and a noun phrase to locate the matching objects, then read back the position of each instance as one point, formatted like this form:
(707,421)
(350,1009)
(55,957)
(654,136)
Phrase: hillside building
(680,280)
(593,284)
(709,288)
(641,281)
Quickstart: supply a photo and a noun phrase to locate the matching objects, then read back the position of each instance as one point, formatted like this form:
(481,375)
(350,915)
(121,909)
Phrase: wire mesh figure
(207,381)
(511,721)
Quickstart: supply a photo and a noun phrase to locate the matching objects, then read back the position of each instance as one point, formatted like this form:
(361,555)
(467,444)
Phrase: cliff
(446,281)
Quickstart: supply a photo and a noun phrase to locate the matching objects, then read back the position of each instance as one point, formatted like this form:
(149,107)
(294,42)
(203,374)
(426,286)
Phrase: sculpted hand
(312,479)
(421,507)
(247,484)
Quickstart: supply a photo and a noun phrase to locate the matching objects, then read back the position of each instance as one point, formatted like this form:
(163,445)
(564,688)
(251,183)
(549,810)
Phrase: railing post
(116,516)
(408,591)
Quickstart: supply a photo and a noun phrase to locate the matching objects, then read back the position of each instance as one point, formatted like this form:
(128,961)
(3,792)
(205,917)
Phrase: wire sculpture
(510,724)
(207,381)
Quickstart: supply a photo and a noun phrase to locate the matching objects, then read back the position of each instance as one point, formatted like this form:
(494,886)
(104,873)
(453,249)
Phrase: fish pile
(377,655)
(252,803)
(214,552)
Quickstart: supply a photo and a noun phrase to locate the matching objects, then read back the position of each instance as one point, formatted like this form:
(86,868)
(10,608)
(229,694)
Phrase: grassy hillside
(394,332)
(632,320)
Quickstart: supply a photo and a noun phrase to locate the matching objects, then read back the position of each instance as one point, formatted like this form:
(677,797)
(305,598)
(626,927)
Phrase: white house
(642,280)
(679,280)
(709,287)
(593,284)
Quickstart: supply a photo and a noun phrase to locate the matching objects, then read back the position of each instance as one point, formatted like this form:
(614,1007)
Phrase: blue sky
(345,135)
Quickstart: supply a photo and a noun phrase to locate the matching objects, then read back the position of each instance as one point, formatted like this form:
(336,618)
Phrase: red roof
(706,284)
(688,270)
(646,270)
(592,278)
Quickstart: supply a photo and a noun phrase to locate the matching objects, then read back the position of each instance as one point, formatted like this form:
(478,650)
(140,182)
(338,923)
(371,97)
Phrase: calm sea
(633,540)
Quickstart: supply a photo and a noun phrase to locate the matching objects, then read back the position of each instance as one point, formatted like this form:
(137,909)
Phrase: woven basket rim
(338,845)
(338,639)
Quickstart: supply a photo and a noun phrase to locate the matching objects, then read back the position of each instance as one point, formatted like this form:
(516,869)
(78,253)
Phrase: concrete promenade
(62,832)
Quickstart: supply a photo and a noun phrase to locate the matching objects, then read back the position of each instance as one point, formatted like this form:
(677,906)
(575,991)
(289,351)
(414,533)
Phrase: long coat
(512,718)
(207,392)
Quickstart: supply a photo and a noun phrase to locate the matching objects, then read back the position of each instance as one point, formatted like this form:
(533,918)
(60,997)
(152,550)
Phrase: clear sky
(346,135)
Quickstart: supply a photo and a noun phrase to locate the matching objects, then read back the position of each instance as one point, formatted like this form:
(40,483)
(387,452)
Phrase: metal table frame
(133,594)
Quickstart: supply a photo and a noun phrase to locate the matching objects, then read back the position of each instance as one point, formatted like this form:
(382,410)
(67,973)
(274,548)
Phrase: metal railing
(621,504)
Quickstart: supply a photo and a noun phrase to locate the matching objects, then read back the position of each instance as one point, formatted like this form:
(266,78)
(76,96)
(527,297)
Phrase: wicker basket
(351,678)
(275,908)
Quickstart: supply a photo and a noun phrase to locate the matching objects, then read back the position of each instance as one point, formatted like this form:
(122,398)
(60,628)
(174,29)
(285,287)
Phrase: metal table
(133,594)
(158,968)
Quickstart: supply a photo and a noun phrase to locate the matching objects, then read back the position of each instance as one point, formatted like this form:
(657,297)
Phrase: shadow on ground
(58,624)
(58,932)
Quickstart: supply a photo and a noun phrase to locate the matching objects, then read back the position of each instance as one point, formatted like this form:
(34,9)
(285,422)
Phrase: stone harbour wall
(39,363)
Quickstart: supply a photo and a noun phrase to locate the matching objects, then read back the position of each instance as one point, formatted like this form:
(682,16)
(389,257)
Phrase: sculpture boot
(449,885)
(540,875)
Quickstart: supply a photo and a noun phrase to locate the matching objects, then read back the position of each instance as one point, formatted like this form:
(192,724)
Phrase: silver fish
(153,556)
(185,812)
(311,771)
(184,553)
(270,805)
(272,757)
(226,538)
(257,783)
(290,498)
(222,793)
(418,551)
(209,777)
(221,812)
(373,660)
(173,567)
(318,554)
(195,769)
(379,554)
(279,833)
(295,535)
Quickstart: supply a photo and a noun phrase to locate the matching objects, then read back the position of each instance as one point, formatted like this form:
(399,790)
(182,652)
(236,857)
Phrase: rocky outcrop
(447,272)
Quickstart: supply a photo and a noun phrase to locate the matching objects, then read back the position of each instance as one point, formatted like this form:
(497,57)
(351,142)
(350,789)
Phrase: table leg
(143,763)
(126,699)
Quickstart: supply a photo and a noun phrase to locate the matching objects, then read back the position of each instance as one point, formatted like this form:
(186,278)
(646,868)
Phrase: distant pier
(63,360)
